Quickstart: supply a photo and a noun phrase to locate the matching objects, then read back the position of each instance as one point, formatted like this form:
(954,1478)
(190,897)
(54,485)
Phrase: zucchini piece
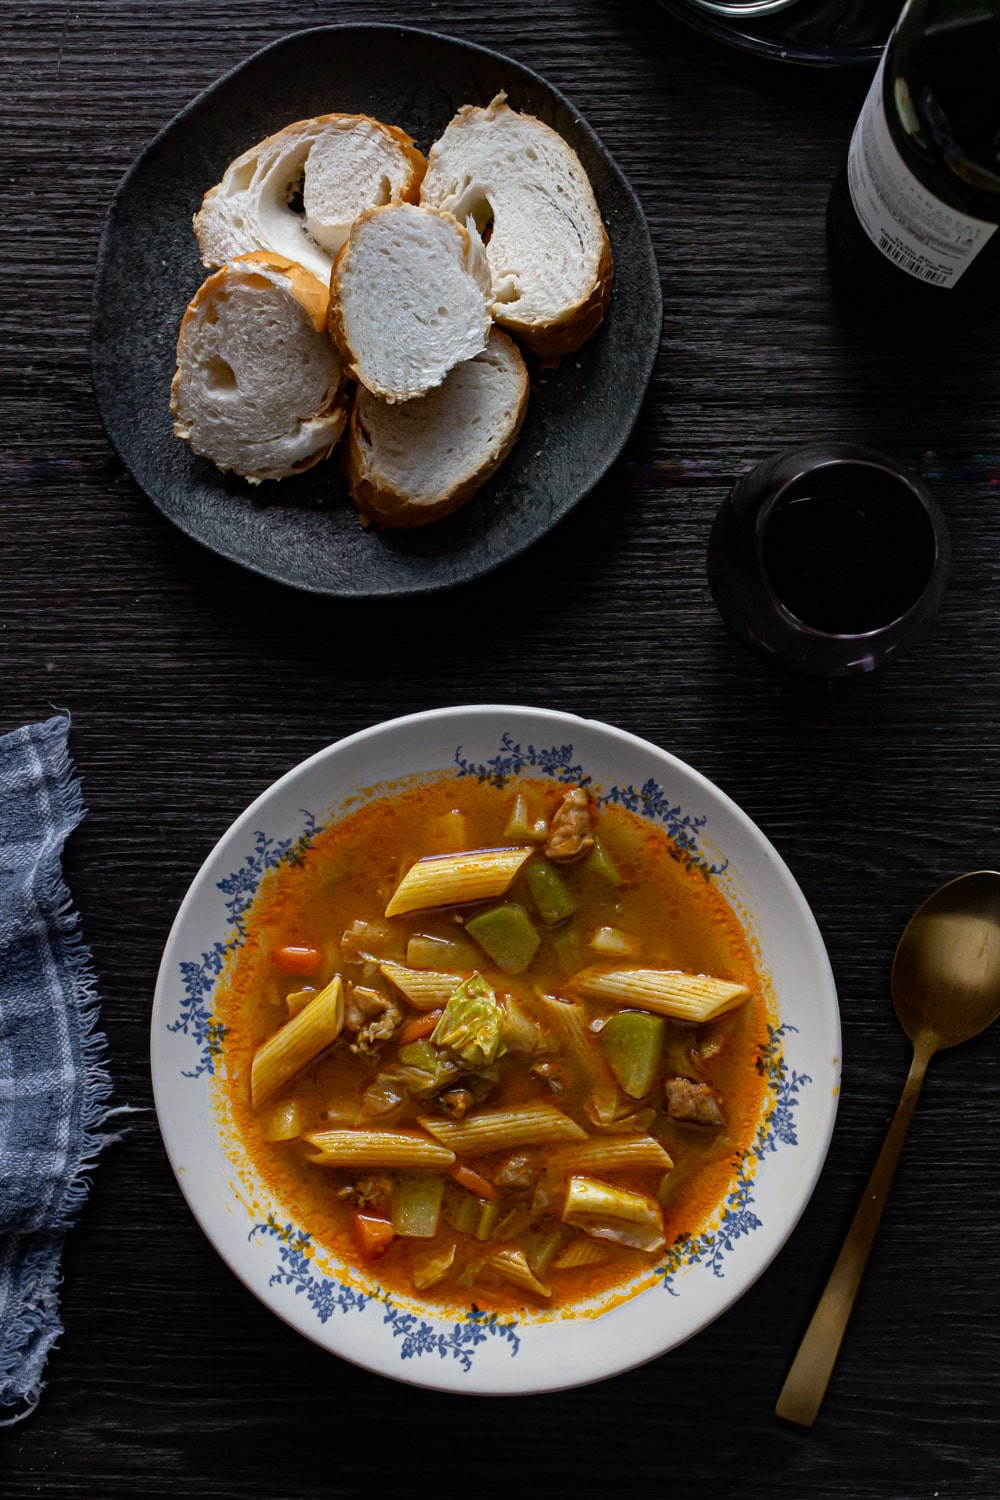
(519,824)
(442,954)
(462,1212)
(488,1215)
(632,1041)
(548,891)
(599,862)
(506,935)
(416,1204)
(568,950)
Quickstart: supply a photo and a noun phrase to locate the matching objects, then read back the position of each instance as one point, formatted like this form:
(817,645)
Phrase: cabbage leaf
(471,1023)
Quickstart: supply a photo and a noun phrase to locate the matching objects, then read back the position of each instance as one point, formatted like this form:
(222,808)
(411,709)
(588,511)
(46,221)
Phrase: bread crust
(287,136)
(564,334)
(311,295)
(389,508)
(335,317)
(417,159)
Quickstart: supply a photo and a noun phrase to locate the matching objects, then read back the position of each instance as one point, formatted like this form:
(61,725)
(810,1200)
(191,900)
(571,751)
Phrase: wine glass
(829,559)
(742,7)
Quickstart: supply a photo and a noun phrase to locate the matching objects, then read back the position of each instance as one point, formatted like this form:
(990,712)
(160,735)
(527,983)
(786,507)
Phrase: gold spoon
(946,990)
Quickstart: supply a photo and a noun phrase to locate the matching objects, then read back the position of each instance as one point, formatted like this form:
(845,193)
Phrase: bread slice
(419,460)
(530,197)
(259,386)
(299,191)
(408,299)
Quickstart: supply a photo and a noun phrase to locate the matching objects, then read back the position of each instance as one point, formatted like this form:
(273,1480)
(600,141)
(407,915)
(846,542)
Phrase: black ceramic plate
(304,531)
(823,33)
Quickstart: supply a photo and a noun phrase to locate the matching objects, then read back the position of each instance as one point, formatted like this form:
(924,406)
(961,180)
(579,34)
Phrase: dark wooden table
(193,685)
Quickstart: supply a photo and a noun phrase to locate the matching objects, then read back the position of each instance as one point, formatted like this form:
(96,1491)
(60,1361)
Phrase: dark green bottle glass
(913,214)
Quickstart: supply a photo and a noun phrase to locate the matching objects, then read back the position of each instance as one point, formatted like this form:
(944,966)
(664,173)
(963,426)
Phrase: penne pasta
(425,989)
(495,1129)
(621,1153)
(299,1042)
(668,992)
(568,1025)
(638,1120)
(512,1266)
(456,879)
(581,1252)
(378,1148)
(614,1214)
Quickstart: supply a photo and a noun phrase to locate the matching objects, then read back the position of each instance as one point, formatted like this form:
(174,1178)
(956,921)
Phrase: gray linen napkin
(53,1084)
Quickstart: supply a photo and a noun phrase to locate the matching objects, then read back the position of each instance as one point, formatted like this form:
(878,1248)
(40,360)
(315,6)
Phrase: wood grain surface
(193,685)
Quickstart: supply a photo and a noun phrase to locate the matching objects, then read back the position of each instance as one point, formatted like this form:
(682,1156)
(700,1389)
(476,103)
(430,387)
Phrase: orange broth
(670,910)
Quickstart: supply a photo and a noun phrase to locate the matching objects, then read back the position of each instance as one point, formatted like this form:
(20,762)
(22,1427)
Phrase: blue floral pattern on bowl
(297,1266)
(327,1294)
(198,977)
(777,1128)
(649,800)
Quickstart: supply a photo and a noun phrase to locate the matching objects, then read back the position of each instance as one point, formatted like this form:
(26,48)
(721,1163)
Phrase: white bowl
(486,1353)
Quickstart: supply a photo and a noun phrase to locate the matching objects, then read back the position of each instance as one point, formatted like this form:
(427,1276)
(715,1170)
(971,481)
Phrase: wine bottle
(913,213)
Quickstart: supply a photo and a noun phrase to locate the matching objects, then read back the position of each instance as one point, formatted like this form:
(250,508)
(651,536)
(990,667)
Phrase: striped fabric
(53,1085)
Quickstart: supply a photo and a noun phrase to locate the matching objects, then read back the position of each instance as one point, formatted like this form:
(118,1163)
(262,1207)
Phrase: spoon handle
(803,1391)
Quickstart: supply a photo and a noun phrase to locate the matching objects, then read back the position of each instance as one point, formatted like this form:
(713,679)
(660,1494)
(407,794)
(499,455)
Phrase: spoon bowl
(946,990)
(946,973)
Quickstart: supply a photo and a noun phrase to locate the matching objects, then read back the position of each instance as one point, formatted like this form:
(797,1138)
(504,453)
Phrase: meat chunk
(455,1102)
(364,940)
(693,1103)
(373,1016)
(569,833)
(367,1192)
(518,1175)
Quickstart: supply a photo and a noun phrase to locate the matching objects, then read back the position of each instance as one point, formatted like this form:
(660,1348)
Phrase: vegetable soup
(494,1045)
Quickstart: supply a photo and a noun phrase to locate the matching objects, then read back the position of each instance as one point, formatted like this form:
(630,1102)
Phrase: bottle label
(919,234)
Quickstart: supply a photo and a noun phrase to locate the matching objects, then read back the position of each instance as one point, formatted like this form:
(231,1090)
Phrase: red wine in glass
(829,559)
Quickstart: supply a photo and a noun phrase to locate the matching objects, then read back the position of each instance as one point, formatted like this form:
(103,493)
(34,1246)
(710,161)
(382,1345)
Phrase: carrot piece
(420,1026)
(374,1235)
(296,958)
(467,1178)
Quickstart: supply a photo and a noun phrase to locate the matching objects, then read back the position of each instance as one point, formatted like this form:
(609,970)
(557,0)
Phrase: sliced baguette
(298,192)
(419,460)
(408,299)
(259,387)
(547,248)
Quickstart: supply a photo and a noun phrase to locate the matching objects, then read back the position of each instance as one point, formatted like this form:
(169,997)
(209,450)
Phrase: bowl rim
(602,1364)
